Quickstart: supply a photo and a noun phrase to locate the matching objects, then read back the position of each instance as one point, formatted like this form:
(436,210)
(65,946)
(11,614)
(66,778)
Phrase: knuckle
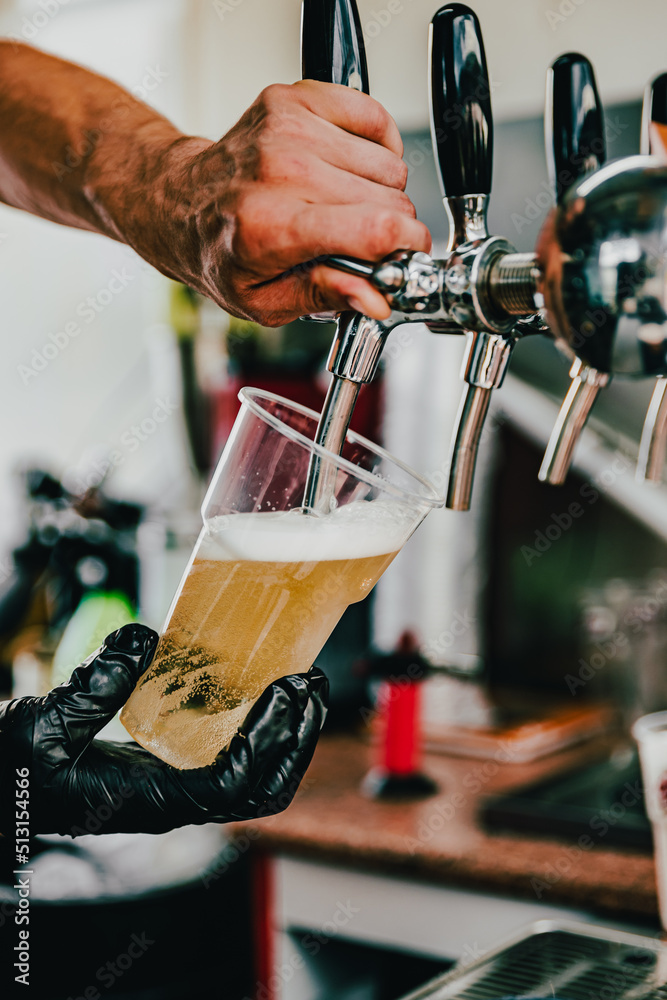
(301,88)
(404,205)
(401,174)
(280,115)
(378,120)
(274,96)
(394,171)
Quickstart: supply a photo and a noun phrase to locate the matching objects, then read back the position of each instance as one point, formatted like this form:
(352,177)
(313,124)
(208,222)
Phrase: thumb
(275,744)
(100,686)
(279,785)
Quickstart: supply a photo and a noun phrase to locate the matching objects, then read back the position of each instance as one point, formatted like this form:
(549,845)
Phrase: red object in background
(263,926)
(400,725)
(366,419)
(397,774)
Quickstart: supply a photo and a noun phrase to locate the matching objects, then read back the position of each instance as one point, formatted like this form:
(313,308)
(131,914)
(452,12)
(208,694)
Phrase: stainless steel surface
(513,284)
(331,430)
(470,289)
(351,266)
(586,384)
(604,272)
(651,457)
(356,348)
(597,283)
(469,425)
(600,272)
(486,360)
(467,218)
(410,282)
(560,960)
(574,136)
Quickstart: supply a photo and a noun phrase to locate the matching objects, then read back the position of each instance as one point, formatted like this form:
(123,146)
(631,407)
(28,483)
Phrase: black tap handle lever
(654,110)
(332,44)
(573,122)
(461,122)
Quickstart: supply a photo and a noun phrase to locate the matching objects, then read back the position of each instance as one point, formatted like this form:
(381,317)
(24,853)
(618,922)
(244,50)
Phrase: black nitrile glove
(81,785)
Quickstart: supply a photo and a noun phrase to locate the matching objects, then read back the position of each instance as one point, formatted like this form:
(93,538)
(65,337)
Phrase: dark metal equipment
(560,961)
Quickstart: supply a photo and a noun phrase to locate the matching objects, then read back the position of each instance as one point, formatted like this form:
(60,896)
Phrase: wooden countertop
(438,838)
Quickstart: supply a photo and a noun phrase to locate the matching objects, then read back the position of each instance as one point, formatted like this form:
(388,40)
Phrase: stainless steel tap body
(600,271)
(451,295)
(603,269)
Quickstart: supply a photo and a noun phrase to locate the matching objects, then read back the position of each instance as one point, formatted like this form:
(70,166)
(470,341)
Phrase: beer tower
(596,283)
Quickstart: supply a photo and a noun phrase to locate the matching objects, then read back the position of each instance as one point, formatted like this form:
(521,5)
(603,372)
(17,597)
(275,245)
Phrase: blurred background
(119,388)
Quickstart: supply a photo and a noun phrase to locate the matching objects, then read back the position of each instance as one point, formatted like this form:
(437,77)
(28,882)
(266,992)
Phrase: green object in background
(98,614)
(184,311)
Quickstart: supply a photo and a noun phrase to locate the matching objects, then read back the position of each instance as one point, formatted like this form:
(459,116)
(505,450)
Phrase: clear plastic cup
(268,579)
(650,732)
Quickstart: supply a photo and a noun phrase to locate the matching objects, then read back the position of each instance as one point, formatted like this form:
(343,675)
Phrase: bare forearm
(309,170)
(75,147)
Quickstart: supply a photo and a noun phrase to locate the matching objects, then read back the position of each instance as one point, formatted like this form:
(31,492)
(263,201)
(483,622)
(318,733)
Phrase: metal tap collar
(467,218)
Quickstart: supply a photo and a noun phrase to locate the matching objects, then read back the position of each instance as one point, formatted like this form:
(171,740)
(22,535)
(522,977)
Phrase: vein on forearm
(75,147)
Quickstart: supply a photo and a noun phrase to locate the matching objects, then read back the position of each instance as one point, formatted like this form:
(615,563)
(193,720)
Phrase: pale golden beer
(262,593)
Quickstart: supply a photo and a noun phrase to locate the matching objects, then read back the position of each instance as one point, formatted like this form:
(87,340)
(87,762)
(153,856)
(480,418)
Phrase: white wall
(243,45)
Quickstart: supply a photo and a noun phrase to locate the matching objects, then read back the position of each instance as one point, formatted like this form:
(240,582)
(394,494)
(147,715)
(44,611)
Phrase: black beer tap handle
(573,122)
(461,122)
(332,44)
(654,109)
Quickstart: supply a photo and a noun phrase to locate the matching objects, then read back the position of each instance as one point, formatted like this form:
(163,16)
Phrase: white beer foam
(354,531)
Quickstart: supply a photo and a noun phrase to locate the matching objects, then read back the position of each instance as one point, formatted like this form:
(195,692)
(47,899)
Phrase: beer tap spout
(485,363)
(583,391)
(651,458)
(462,136)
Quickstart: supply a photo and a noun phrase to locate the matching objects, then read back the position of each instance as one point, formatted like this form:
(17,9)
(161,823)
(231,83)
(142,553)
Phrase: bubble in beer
(261,596)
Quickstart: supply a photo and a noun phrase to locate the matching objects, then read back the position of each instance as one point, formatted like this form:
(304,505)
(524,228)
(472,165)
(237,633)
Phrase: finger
(225,789)
(280,786)
(327,285)
(351,153)
(268,734)
(99,687)
(351,110)
(273,235)
(305,176)
(260,772)
(269,731)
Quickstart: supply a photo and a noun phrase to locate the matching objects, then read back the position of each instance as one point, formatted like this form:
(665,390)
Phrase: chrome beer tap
(597,283)
(332,51)
(474,290)
(651,457)
(575,146)
(462,137)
